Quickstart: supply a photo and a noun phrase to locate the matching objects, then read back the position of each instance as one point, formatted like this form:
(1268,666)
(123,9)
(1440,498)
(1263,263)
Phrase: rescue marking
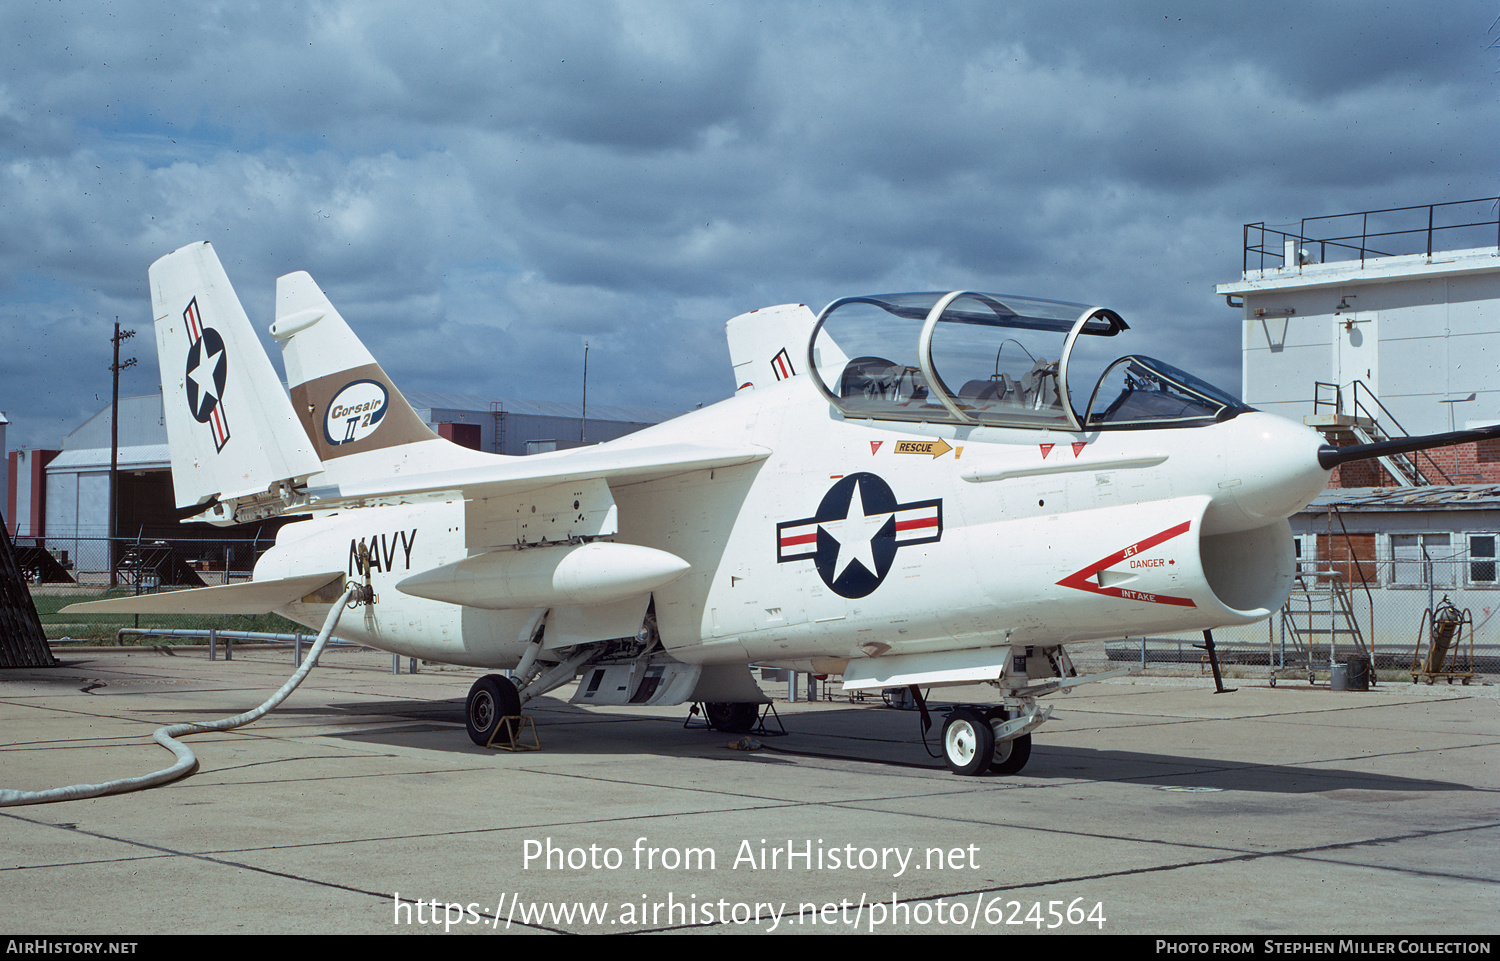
(853,538)
(933,448)
(1046,449)
(875,447)
(1078,448)
(1086,578)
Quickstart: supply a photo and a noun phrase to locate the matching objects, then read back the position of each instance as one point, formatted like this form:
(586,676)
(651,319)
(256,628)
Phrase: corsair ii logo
(853,538)
(207,371)
(355,412)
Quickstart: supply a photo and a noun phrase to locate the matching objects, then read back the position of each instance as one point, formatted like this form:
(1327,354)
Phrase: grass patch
(103,627)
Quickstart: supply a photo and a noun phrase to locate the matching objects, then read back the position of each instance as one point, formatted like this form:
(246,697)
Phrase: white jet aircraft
(904,491)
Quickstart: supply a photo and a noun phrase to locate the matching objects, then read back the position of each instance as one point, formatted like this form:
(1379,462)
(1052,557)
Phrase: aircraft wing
(616,465)
(251,597)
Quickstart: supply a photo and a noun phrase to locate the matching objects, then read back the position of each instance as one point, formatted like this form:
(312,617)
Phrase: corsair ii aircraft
(918,490)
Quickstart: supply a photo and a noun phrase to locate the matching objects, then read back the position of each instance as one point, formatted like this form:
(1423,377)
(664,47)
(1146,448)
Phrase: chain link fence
(1381,609)
(141,564)
(67,570)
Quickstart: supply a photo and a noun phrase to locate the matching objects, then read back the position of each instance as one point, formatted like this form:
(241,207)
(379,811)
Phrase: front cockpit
(996,360)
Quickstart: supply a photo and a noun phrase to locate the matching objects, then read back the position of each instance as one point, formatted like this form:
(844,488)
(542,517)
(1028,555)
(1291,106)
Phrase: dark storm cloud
(482,187)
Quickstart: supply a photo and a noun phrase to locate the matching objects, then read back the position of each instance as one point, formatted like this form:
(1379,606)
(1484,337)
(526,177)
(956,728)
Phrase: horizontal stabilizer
(252,597)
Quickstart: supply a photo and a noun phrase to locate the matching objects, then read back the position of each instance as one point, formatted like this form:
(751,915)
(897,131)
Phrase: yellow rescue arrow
(934,448)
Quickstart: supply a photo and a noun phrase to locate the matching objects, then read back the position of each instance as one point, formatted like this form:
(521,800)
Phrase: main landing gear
(970,745)
(732,717)
(491,698)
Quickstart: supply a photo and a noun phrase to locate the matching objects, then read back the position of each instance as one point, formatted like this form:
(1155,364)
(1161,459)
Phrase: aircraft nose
(1270,469)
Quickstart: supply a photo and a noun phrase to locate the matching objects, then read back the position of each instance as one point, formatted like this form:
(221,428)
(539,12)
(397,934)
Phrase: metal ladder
(1319,615)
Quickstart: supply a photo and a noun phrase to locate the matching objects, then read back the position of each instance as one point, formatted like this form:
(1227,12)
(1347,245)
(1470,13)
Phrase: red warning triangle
(1078,448)
(1046,449)
(875,446)
(1084,579)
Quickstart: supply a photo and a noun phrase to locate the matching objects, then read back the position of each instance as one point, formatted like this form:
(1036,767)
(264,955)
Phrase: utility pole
(584,420)
(114,450)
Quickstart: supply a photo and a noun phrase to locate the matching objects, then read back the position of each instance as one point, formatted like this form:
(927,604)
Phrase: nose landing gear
(975,741)
(968,741)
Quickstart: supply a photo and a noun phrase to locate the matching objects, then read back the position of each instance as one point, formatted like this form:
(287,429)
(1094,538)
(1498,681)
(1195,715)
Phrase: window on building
(1482,559)
(1418,560)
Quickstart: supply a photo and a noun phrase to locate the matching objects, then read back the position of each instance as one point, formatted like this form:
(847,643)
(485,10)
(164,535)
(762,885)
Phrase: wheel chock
(507,736)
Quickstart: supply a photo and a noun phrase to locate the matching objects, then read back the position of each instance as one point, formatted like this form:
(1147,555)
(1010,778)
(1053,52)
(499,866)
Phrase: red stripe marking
(1082,580)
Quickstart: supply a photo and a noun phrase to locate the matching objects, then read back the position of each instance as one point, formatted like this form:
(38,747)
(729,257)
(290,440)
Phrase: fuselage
(858,537)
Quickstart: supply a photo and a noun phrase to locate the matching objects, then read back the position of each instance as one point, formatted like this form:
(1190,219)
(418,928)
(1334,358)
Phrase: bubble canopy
(995,359)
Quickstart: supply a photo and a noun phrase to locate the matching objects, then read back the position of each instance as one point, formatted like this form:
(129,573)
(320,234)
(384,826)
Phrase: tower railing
(1391,232)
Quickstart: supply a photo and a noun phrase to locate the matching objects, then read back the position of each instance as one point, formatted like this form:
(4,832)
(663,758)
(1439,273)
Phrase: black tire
(732,717)
(968,741)
(1011,756)
(491,698)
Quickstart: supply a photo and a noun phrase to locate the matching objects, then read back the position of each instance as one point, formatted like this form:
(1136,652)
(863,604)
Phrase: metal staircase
(1366,421)
(1319,617)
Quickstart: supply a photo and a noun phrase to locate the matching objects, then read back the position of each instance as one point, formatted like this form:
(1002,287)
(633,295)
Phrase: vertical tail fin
(230,426)
(358,422)
(770,345)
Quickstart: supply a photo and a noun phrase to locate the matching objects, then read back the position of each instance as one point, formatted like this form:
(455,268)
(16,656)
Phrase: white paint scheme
(767,345)
(255,410)
(316,342)
(1002,543)
(576,574)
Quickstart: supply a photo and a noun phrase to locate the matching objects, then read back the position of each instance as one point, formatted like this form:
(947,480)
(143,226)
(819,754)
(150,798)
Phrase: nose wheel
(969,744)
(968,741)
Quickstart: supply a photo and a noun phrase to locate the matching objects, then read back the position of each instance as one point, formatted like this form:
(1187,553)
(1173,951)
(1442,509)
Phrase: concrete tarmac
(1150,806)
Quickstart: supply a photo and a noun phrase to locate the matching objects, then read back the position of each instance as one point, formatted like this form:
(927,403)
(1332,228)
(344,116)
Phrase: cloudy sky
(481,187)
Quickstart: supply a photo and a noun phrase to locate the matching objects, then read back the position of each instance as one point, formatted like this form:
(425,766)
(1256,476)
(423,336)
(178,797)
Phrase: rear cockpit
(997,360)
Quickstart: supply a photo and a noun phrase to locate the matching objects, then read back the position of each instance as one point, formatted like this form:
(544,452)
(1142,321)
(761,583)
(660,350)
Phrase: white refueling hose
(186,761)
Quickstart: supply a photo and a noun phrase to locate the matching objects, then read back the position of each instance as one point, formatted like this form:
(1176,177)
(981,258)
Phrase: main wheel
(732,717)
(968,742)
(491,698)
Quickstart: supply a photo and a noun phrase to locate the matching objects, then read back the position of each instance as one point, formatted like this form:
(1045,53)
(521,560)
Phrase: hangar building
(60,498)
